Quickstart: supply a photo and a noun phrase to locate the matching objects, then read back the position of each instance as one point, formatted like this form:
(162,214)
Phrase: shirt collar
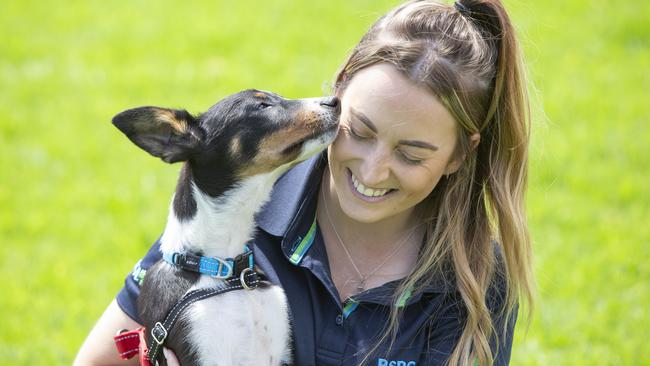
(289,193)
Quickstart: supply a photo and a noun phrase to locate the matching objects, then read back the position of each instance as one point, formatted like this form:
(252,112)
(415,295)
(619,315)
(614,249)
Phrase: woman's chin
(363,213)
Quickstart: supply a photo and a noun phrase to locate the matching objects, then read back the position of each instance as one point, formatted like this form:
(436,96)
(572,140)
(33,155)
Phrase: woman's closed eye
(357,135)
(409,159)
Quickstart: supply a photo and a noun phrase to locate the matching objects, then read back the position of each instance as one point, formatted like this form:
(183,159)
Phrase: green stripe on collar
(304,245)
(404,297)
(350,306)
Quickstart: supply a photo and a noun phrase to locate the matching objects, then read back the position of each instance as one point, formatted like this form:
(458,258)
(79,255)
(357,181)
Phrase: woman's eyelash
(356,135)
(409,160)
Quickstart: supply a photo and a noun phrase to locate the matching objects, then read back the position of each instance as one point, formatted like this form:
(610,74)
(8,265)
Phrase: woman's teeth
(368,192)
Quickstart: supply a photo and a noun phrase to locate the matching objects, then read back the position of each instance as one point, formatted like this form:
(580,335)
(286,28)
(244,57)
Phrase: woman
(420,251)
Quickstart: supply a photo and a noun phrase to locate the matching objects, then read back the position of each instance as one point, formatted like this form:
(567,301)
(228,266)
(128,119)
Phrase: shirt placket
(335,339)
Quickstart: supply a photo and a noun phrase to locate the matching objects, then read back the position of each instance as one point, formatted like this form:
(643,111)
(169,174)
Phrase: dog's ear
(170,134)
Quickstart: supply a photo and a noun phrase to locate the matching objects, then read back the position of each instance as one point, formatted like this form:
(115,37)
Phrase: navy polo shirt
(289,248)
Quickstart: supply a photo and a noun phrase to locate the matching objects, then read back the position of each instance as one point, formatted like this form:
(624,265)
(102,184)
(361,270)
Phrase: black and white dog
(232,155)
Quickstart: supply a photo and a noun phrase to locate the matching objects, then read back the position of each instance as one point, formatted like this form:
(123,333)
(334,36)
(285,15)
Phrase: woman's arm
(98,348)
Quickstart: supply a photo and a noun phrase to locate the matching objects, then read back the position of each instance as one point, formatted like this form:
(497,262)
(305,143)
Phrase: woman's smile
(365,193)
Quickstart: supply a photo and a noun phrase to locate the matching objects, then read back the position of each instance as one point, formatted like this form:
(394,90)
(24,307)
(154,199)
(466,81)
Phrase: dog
(232,155)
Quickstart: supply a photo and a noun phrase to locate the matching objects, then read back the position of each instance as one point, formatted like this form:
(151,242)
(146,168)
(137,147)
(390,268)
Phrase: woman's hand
(171,357)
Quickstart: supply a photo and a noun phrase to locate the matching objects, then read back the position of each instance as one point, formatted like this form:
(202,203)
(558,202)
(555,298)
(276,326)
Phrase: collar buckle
(223,264)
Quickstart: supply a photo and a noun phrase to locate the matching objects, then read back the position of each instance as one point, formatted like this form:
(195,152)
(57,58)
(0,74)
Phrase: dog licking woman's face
(246,134)
(396,141)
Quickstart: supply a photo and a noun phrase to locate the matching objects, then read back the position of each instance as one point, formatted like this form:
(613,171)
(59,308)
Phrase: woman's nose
(375,169)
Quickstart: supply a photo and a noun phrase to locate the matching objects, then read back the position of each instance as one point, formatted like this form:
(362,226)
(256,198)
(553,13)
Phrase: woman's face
(396,141)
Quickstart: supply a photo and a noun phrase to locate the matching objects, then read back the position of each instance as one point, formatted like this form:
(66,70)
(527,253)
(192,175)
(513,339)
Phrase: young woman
(421,252)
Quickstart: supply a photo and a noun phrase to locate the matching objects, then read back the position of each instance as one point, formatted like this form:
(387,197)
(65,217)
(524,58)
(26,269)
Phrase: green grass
(79,204)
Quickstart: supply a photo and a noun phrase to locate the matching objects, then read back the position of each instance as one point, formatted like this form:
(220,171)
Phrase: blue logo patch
(384,362)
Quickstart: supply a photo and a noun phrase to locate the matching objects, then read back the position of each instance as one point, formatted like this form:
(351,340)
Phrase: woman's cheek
(417,180)
(343,146)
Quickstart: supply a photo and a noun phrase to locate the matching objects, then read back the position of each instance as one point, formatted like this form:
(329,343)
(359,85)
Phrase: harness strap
(248,279)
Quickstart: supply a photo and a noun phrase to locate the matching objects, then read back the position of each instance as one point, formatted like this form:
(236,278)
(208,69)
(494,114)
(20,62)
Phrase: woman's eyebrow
(416,143)
(366,121)
(362,117)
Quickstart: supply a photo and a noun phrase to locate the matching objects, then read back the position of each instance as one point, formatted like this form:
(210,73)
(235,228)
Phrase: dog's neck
(220,225)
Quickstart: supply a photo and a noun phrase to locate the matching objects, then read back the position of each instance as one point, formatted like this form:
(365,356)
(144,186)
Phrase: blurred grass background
(79,204)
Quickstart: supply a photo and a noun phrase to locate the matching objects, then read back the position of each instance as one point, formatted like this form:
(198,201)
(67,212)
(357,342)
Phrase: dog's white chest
(241,327)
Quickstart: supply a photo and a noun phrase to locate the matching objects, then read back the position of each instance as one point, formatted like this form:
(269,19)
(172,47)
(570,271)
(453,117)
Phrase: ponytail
(502,156)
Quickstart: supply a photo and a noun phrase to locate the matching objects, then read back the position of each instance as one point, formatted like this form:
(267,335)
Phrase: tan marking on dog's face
(260,95)
(308,119)
(269,154)
(170,119)
(235,147)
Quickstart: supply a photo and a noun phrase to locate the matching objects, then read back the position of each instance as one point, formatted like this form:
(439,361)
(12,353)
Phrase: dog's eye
(263,105)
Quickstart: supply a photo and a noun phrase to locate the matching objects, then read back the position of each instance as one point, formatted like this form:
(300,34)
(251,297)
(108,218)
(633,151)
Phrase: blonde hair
(468,56)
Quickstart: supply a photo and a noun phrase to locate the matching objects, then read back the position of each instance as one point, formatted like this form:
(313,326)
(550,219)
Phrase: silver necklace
(361,283)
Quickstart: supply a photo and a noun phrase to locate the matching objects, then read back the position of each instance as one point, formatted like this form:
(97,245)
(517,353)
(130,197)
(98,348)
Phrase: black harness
(243,276)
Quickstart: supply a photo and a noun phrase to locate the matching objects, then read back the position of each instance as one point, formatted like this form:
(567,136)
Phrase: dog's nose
(332,102)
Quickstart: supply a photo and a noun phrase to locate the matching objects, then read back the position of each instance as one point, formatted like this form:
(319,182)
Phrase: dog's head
(245,134)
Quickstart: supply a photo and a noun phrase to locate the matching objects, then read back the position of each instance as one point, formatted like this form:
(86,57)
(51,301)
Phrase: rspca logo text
(383,362)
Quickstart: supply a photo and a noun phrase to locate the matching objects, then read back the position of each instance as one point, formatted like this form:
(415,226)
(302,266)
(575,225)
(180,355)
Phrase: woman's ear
(455,164)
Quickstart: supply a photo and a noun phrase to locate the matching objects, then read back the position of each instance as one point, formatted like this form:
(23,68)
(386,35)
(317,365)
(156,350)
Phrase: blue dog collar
(212,266)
